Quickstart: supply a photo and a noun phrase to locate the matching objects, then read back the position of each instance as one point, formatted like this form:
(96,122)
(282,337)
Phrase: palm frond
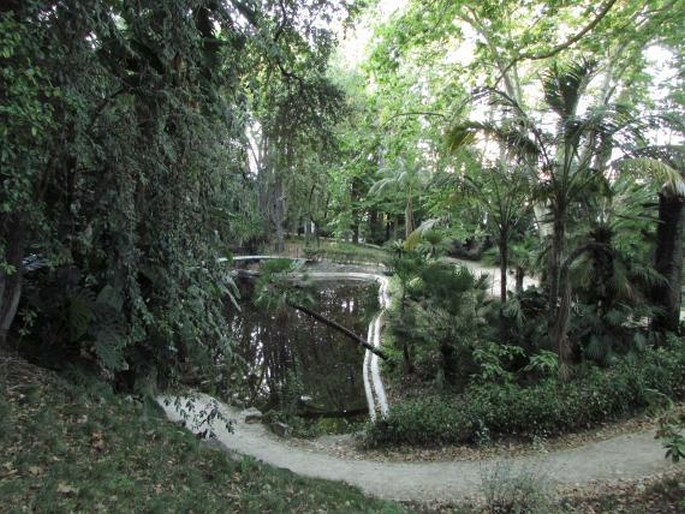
(418,233)
(672,178)
(563,86)
(512,136)
(461,135)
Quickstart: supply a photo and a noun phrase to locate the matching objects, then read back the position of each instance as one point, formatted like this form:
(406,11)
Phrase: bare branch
(337,326)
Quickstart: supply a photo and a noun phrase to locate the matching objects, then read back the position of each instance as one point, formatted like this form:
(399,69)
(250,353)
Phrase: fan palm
(403,178)
(666,166)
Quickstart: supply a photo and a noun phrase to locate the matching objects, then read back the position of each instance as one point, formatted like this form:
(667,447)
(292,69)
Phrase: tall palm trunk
(503,265)
(669,262)
(559,291)
(556,254)
(558,331)
(520,274)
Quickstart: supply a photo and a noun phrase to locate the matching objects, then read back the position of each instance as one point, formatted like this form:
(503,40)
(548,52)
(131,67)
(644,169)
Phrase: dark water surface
(294,362)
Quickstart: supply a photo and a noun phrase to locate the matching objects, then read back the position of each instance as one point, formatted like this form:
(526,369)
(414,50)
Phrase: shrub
(510,489)
(551,407)
(431,421)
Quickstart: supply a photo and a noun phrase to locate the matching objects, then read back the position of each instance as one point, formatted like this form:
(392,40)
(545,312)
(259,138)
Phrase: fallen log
(337,326)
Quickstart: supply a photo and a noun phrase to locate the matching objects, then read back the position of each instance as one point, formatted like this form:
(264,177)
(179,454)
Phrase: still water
(293,362)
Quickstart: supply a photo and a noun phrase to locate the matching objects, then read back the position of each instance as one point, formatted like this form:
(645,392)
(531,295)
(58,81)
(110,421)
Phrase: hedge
(551,407)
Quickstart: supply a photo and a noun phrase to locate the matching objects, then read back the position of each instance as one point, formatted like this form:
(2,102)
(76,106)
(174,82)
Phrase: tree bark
(13,233)
(503,265)
(337,326)
(408,218)
(669,262)
(520,274)
(558,332)
(555,258)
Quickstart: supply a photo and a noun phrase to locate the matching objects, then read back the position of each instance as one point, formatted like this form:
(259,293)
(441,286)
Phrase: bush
(551,407)
(430,421)
(510,489)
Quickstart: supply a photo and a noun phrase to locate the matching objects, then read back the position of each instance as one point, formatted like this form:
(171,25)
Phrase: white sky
(354,43)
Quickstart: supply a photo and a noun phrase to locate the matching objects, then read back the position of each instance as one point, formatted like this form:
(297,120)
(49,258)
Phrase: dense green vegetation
(549,408)
(140,142)
(127,132)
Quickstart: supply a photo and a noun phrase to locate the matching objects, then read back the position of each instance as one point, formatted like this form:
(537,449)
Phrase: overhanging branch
(537,56)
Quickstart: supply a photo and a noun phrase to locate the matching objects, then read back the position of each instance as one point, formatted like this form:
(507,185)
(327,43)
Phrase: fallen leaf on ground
(35,470)
(66,489)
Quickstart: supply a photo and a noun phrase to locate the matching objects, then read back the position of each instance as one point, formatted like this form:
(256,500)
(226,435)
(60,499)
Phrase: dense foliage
(125,173)
(140,142)
(545,132)
(551,407)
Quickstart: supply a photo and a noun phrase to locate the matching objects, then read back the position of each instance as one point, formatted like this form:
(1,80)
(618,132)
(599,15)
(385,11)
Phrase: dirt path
(623,457)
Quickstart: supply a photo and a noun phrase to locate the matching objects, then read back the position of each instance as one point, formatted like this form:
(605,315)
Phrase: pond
(292,362)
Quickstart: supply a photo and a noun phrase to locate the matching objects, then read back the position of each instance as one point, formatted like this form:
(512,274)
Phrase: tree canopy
(140,142)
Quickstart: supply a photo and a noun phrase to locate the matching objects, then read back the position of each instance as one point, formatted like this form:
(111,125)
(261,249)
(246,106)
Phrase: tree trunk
(520,274)
(503,264)
(669,262)
(408,218)
(375,227)
(13,233)
(278,216)
(337,326)
(355,231)
(555,257)
(280,238)
(559,309)
(558,331)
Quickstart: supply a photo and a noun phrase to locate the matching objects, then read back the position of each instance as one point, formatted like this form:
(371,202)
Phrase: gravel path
(630,456)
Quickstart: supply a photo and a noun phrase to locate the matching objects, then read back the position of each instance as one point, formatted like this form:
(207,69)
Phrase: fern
(80,313)
(109,347)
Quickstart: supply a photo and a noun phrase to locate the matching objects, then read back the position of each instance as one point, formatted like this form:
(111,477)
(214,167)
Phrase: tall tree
(571,163)
(123,158)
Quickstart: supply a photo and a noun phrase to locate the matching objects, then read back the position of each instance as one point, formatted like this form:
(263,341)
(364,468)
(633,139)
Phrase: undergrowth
(549,408)
(345,252)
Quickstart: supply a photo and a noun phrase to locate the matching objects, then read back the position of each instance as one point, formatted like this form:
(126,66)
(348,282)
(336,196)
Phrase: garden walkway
(629,456)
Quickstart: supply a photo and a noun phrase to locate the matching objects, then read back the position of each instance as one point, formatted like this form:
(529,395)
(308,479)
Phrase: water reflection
(293,362)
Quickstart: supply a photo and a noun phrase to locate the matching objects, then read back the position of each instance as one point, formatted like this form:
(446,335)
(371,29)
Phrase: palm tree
(666,165)
(406,179)
(568,164)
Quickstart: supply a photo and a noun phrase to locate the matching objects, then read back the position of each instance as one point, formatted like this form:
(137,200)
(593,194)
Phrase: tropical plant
(439,317)
(406,180)
(570,164)
(665,166)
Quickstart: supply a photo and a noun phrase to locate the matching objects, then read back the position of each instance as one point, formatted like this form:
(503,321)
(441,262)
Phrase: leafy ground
(70,448)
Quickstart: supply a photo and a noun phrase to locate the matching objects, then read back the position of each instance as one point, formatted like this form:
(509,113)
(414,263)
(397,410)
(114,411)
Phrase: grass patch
(71,448)
(346,253)
(515,489)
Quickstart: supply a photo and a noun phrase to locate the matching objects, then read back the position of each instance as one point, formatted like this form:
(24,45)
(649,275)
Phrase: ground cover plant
(68,447)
